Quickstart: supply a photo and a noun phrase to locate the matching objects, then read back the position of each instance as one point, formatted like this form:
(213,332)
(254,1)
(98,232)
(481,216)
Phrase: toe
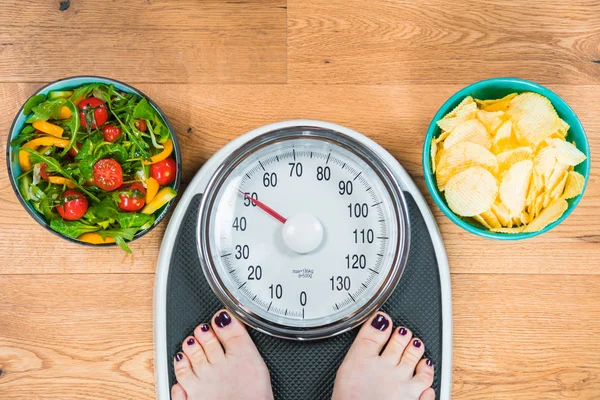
(424,375)
(411,356)
(177,392)
(232,334)
(183,371)
(194,351)
(397,344)
(429,394)
(372,336)
(210,343)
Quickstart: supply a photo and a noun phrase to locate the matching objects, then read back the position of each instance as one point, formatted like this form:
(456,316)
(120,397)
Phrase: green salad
(96,162)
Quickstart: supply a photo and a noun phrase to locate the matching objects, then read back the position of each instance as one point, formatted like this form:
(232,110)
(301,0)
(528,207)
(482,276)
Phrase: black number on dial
(295,169)
(358,210)
(242,252)
(356,261)
(239,224)
(270,179)
(254,273)
(346,187)
(363,236)
(323,173)
(276,291)
(302,298)
(340,283)
(247,200)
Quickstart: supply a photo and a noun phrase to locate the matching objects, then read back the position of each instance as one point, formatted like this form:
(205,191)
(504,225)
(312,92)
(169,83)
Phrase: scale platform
(301,370)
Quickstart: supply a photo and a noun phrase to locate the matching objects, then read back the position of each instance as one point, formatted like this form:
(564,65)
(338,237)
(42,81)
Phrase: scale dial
(303,233)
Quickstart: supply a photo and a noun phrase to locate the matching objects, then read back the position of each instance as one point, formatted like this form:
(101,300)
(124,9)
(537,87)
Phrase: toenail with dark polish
(417,343)
(222,319)
(204,328)
(429,362)
(190,341)
(402,331)
(178,357)
(380,322)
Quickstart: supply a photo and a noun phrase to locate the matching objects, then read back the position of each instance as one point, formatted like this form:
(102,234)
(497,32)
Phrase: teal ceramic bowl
(493,89)
(14,169)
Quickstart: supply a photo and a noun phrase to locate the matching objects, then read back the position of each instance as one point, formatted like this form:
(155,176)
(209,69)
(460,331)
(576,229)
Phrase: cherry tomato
(43,172)
(111,133)
(140,124)
(100,111)
(164,171)
(108,174)
(133,198)
(75,149)
(73,205)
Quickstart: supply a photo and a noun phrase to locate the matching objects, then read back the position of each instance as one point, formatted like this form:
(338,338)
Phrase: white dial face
(303,232)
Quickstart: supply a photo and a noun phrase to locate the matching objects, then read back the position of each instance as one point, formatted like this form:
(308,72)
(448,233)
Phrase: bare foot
(396,373)
(221,363)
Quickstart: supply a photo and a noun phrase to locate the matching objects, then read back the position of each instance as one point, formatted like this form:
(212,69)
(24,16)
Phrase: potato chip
(573,185)
(469,131)
(490,119)
(533,117)
(517,229)
(558,190)
(460,157)
(465,110)
(501,213)
(496,105)
(442,137)
(480,219)
(503,137)
(463,105)
(510,157)
(566,152)
(491,219)
(544,162)
(557,175)
(564,127)
(433,151)
(471,191)
(548,215)
(514,186)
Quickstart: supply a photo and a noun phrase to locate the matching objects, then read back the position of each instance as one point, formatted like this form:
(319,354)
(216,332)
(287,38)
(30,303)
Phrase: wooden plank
(526,337)
(442,41)
(145,41)
(394,116)
(76,337)
(89,336)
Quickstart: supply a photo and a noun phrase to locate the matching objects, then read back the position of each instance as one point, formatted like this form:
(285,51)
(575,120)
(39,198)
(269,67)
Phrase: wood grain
(144,40)
(206,117)
(443,41)
(90,336)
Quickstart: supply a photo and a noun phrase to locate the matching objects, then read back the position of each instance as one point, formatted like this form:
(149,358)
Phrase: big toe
(373,335)
(178,393)
(232,334)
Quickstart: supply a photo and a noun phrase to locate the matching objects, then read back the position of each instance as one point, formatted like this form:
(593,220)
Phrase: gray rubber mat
(306,370)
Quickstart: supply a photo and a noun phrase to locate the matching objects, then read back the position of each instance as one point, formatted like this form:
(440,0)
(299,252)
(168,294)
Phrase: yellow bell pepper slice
(24,161)
(49,128)
(59,180)
(94,238)
(168,149)
(152,189)
(65,113)
(163,196)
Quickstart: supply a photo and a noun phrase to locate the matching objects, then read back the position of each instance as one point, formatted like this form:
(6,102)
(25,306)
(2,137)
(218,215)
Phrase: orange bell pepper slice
(168,149)
(49,128)
(24,161)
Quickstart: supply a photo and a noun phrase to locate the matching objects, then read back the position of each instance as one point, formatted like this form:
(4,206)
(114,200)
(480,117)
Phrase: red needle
(264,207)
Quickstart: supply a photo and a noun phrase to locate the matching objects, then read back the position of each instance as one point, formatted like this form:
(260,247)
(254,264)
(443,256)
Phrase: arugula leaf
(24,136)
(120,235)
(72,229)
(54,165)
(45,110)
(162,131)
(83,91)
(144,110)
(32,102)
(135,220)
(73,124)
(102,211)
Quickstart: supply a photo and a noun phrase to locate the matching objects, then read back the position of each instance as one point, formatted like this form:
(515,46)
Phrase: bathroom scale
(302,229)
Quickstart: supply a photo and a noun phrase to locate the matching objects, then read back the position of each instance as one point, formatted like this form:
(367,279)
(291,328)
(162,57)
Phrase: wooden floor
(76,323)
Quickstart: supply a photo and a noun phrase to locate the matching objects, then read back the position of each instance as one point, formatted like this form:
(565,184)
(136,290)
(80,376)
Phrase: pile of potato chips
(506,162)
